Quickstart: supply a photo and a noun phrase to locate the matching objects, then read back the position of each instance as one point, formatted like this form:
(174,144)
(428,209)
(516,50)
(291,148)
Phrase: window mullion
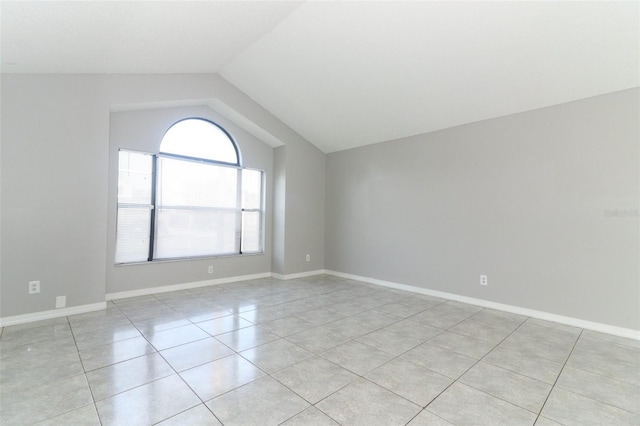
(239,211)
(154,210)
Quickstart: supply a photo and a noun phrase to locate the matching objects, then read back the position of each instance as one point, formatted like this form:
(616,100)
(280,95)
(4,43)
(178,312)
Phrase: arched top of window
(201,139)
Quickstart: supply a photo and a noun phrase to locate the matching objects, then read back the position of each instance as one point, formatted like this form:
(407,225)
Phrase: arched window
(201,139)
(191,199)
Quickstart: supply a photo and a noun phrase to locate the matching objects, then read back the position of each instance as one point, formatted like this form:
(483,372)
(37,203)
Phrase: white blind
(134,206)
(251,241)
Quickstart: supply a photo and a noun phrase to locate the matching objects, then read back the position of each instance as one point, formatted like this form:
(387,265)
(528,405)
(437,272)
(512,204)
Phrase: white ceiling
(346,74)
(132,36)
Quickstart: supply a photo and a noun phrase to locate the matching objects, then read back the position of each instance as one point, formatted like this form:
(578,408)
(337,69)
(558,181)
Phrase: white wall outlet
(308,258)
(210,270)
(484,280)
(61,301)
(34,287)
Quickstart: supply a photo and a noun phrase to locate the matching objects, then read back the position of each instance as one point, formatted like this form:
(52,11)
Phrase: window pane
(188,183)
(134,177)
(132,231)
(200,139)
(133,222)
(202,232)
(251,227)
(251,189)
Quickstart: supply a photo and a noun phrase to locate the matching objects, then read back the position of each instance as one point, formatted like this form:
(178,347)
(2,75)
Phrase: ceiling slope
(346,74)
(131,36)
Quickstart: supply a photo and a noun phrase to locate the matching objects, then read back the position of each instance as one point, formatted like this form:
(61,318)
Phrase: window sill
(188,259)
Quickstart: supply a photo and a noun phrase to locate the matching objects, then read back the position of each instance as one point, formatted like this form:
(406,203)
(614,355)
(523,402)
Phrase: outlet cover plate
(61,301)
(34,287)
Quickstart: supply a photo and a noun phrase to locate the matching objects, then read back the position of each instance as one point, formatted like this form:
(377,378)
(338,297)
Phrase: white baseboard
(54,313)
(575,322)
(183,286)
(298,275)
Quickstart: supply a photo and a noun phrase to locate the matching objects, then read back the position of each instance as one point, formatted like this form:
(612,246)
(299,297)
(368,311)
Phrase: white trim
(298,275)
(184,286)
(575,322)
(54,313)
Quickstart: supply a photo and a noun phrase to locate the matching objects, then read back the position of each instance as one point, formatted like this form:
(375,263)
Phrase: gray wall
(55,184)
(54,199)
(279,206)
(299,202)
(305,207)
(0,195)
(521,199)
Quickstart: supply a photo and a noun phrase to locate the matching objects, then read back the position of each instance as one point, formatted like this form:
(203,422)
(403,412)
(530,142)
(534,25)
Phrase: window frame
(239,231)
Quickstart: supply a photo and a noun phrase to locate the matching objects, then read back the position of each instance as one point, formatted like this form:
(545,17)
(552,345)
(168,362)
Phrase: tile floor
(314,351)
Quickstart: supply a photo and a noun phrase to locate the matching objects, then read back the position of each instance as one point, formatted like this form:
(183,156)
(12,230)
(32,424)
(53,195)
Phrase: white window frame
(239,209)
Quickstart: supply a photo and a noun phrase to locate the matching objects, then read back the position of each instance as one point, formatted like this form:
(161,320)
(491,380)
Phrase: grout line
(476,363)
(156,351)
(84,371)
(590,372)
(558,376)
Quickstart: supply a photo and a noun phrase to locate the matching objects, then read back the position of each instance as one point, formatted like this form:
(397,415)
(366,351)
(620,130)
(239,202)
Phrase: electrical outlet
(61,301)
(308,258)
(484,280)
(34,287)
(210,269)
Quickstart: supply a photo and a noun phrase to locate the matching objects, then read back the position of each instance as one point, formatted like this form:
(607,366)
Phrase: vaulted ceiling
(345,74)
